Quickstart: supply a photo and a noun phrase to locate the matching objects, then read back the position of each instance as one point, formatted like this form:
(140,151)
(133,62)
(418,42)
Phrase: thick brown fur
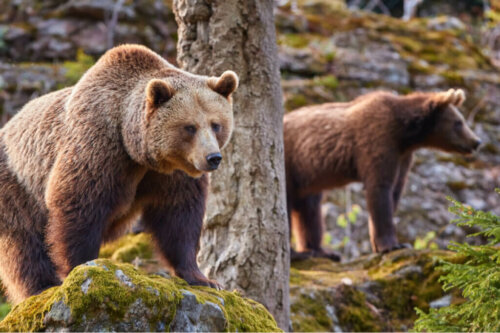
(369,140)
(76,166)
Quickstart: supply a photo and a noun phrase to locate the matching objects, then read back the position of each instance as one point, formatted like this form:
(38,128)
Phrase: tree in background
(245,243)
(478,277)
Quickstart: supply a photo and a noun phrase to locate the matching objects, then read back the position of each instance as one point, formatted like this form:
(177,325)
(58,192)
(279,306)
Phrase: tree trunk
(245,243)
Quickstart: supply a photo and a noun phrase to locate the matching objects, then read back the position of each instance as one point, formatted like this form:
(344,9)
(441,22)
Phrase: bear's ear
(158,92)
(453,96)
(225,85)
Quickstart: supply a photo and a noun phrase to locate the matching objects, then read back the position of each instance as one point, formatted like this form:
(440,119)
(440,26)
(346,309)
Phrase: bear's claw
(303,255)
(397,247)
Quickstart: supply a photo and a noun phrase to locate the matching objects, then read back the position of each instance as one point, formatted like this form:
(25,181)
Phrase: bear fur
(135,136)
(369,140)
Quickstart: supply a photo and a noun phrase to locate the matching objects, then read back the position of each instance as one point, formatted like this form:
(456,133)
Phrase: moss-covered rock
(371,293)
(103,295)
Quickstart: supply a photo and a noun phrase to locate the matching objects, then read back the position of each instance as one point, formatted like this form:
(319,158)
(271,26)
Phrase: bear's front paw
(396,247)
(205,282)
(198,279)
(297,256)
(332,255)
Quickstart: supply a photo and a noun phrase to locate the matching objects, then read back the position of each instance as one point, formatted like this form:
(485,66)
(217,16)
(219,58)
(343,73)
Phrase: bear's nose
(213,160)
(477,144)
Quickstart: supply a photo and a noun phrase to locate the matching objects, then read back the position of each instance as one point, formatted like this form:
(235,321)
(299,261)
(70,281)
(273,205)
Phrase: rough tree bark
(245,243)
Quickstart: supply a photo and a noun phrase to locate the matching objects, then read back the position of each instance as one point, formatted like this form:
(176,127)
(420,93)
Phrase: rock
(103,295)
(445,23)
(441,302)
(381,294)
(192,316)
(56,29)
(97,9)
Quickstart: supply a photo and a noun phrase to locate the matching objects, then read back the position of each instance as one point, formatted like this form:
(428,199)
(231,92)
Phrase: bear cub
(369,140)
(135,136)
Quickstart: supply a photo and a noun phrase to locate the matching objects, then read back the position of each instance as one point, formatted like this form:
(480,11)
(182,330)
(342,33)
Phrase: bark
(245,242)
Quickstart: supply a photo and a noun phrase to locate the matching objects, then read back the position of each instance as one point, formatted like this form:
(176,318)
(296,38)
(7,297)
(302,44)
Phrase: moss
(295,101)
(75,69)
(324,7)
(354,312)
(371,293)
(4,310)
(453,78)
(129,247)
(327,81)
(309,315)
(298,41)
(457,185)
(106,294)
(401,294)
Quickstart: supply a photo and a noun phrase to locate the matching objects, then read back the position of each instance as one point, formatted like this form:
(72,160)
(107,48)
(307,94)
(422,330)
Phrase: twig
(111,24)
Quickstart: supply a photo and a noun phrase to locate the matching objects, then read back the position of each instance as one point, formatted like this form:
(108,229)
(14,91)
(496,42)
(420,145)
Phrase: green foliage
(4,310)
(477,275)
(349,217)
(426,242)
(75,69)
(327,81)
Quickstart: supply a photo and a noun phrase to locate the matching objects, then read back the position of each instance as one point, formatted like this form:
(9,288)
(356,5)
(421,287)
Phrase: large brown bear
(134,136)
(369,140)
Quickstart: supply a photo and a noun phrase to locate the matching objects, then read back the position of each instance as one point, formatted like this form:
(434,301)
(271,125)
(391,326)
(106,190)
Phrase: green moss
(407,43)
(298,41)
(453,78)
(106,294)
(396,283)
(354,312)
(323,7)
(129,247)
(295,102)
(75,69)
(309,315)
(328,81)
(4,310)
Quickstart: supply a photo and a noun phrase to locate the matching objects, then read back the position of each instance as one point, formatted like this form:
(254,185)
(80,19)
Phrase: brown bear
(369,140)
(135,136)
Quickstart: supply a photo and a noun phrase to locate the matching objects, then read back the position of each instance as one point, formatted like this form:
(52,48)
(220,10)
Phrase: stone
(381,295)
(441,302)
(103,295)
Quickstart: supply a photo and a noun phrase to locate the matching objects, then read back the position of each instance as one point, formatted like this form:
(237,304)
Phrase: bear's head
(449,130)
(188,120)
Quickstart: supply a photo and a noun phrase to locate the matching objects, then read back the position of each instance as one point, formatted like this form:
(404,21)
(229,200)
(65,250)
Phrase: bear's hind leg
(308,228)
(25,268)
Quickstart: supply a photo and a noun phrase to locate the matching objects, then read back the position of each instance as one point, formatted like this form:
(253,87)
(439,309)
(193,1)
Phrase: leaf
(342,221)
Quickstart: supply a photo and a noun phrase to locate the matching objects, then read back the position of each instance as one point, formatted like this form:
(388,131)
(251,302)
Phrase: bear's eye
(215,127)
(458,124)
(191,129)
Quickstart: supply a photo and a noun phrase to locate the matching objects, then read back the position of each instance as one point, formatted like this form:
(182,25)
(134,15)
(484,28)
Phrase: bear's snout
(213,160)
(476,144)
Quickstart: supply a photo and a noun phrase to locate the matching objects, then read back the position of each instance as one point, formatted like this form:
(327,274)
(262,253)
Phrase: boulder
(372,293)
(104,295)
